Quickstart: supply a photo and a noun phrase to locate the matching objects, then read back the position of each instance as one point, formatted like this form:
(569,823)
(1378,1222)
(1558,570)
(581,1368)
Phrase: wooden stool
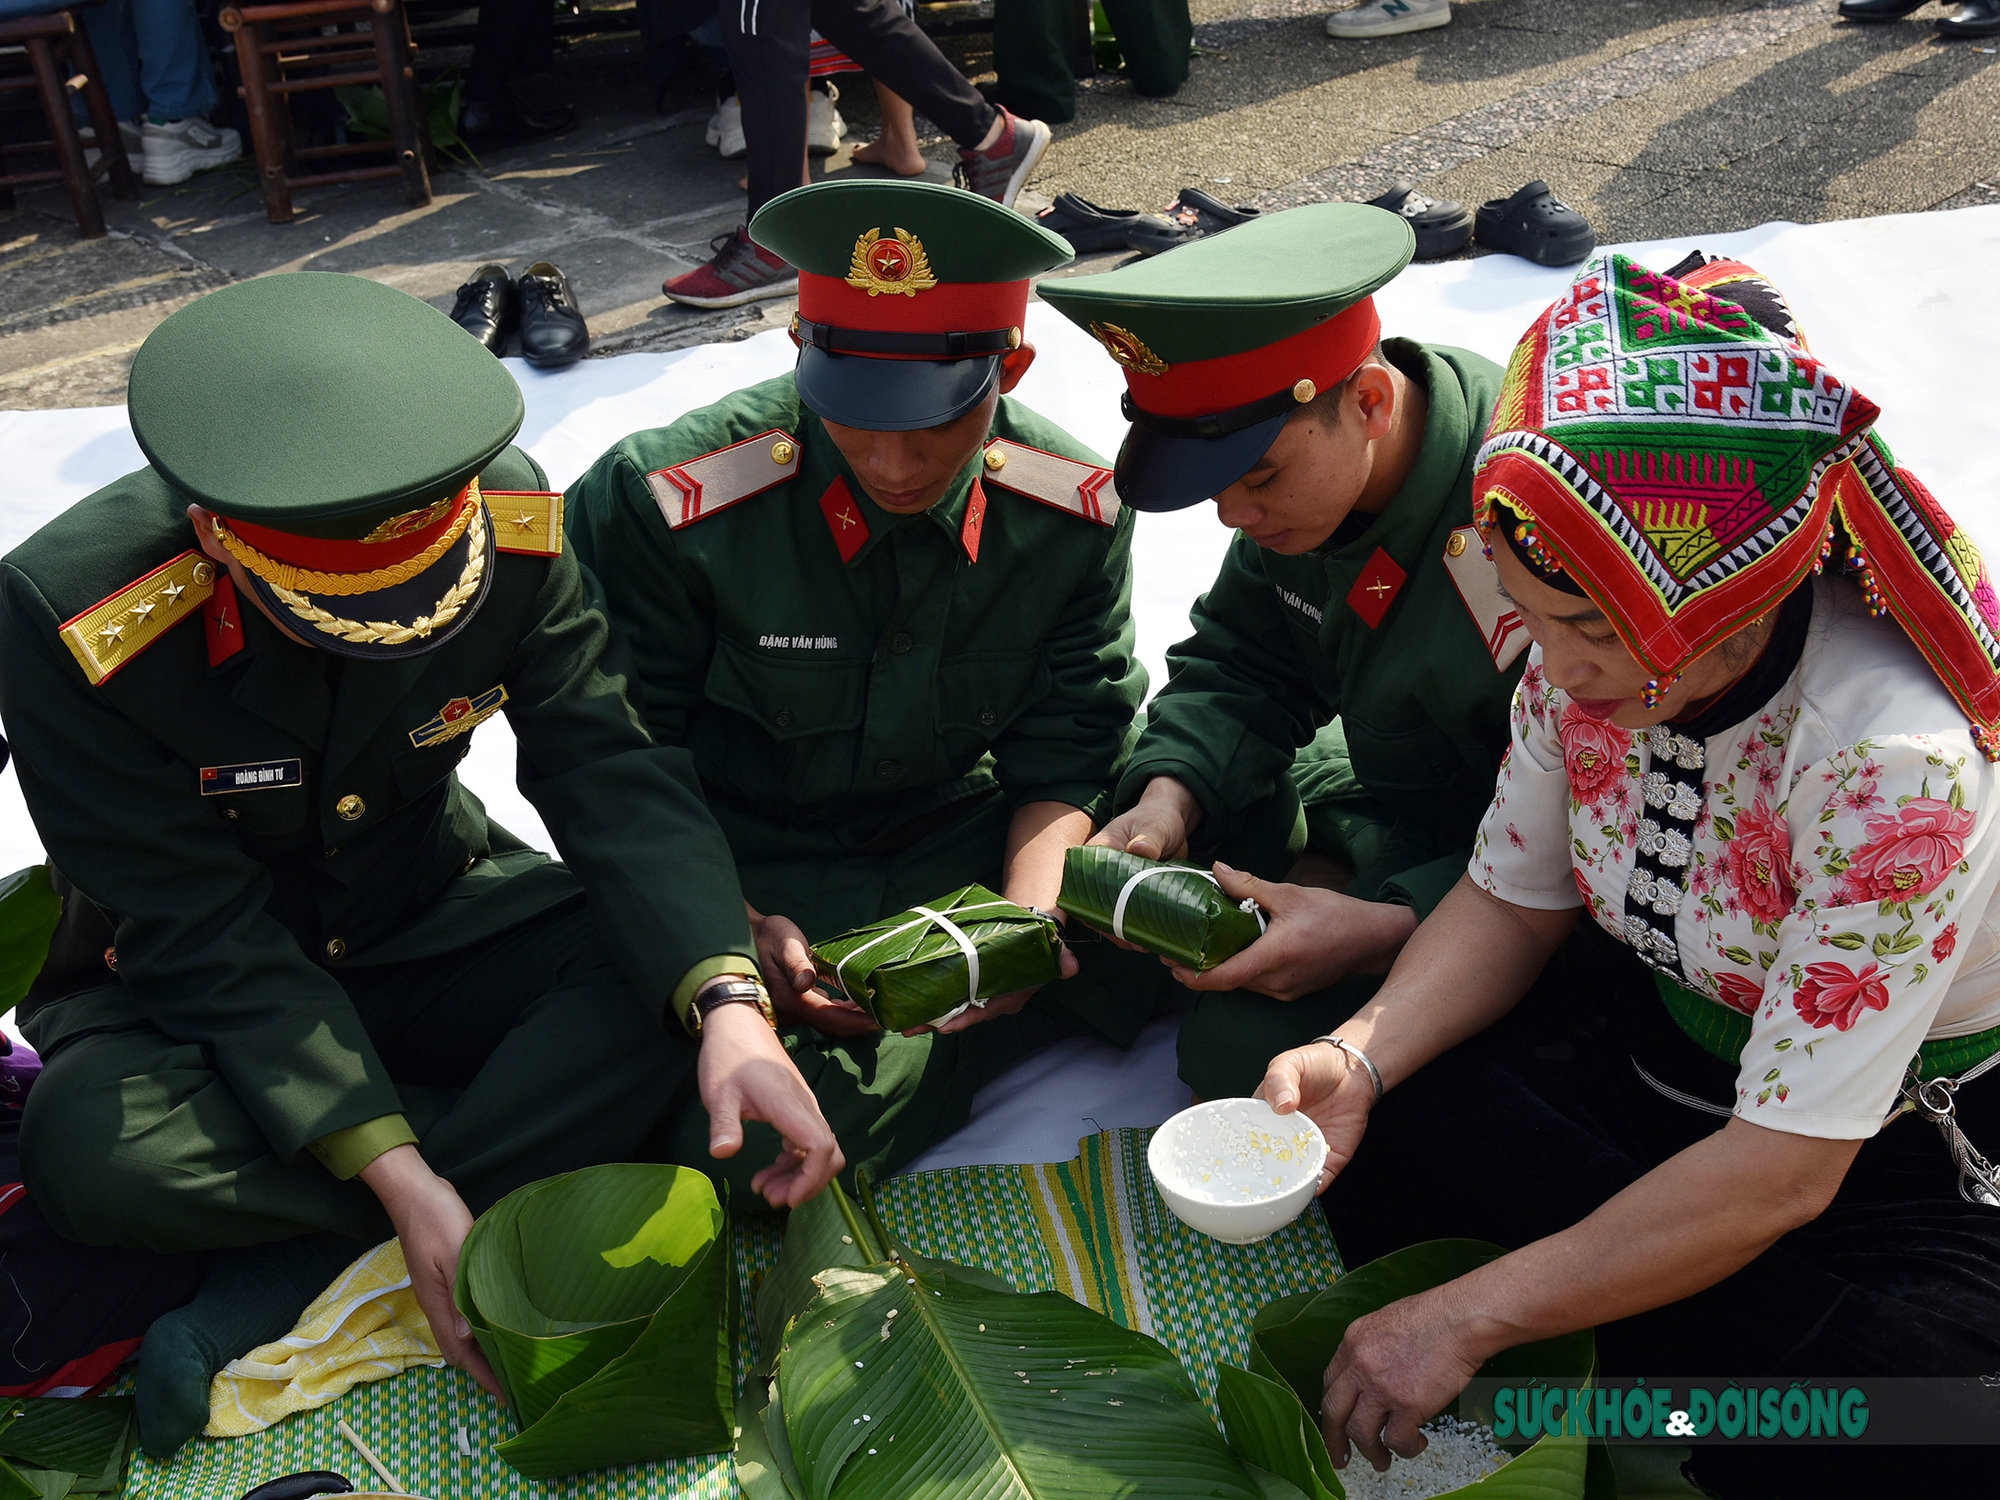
(59,60)
(283,50)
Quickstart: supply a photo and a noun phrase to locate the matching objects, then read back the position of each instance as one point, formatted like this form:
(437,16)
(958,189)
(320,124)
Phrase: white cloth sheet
(1885,301)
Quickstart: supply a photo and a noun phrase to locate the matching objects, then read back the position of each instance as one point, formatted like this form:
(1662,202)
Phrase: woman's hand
(1333,1090)
(1396,1369)
(1314,938)
(786,959)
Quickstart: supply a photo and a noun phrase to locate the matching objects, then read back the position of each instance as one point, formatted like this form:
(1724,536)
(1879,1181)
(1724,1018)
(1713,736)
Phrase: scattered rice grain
(1460,1452)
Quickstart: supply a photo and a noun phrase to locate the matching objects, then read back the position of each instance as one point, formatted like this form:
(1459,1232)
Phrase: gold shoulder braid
(332,585)
(389,632)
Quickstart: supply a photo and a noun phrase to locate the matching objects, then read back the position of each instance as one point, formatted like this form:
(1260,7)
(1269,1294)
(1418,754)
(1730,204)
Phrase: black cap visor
(892,395)
(397,622)
(1157,472)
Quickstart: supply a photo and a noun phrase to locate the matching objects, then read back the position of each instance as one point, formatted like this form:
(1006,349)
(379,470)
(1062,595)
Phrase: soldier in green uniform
(306,993)
(886,609)
(1347,683)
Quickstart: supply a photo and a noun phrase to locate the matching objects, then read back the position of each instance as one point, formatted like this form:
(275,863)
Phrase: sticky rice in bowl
(1235,1169)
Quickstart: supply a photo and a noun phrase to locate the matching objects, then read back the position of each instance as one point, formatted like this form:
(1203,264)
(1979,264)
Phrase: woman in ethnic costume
(1741,746)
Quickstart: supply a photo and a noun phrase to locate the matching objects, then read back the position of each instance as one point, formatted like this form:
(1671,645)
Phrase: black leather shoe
(552,328)
(487,307)
(1974,18)
(506,123)
(1877,10)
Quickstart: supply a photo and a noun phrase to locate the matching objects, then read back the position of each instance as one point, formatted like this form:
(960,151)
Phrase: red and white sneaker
(1000,171)
(742,271)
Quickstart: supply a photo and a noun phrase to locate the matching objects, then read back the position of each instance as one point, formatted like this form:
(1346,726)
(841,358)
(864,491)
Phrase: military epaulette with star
(117,628)
(695,490)
(529,521)
(1082,489)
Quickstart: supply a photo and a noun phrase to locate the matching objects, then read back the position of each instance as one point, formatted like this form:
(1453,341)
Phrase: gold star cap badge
(895,266)
(1125,346)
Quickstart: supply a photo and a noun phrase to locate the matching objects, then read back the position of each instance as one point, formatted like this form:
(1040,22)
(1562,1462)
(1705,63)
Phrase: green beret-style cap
(317,403)
(1253,285)
(967,237)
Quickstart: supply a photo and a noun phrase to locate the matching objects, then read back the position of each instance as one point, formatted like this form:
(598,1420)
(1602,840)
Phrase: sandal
(1443,227)
(1087,226)
(1192,216)
(1535,225)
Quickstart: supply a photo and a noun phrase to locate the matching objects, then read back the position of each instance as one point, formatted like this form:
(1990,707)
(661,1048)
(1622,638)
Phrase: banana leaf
(1182,915)
(907,970)
(907,1378)
(601,1298)
(1270,1411)
(29,911)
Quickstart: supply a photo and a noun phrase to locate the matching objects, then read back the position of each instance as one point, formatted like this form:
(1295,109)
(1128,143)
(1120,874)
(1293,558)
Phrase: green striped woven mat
(1093,1228)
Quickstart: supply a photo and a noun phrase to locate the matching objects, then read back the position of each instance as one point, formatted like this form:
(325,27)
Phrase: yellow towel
(366,1326)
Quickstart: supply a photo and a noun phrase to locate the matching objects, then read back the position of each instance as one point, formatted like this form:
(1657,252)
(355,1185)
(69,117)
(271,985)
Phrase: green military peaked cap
(910,295)
(1222,339)
(318,402)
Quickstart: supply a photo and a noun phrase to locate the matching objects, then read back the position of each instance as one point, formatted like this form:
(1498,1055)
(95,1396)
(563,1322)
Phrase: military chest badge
(897,266)
(1125,346)
(459,716)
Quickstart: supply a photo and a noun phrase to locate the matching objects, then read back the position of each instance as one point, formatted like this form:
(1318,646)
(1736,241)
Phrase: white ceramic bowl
(1236,1169)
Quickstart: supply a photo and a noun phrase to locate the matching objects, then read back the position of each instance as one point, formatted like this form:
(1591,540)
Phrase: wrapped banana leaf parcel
(1176,910)
(930,962)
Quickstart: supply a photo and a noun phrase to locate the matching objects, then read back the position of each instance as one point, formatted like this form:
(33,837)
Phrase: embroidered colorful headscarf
(1689,466)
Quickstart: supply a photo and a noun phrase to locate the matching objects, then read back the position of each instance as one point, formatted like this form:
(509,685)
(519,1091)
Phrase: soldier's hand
(999,1005)
(1315,938)
(1158,825)
(786,959)
(744,1073)
(431,1220)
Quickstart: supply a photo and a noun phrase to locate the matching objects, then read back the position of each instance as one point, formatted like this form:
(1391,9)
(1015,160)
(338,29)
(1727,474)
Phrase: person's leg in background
(109,27)
(156,69)
(896,148)
(514,40)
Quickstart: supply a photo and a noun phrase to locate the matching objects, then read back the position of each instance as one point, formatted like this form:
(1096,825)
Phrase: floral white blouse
(1826,867)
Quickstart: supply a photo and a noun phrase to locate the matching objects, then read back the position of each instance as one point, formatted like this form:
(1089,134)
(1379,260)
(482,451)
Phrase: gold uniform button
(204,573)
(336,949)
(996,459)
(231,813)
(1456,546)
(1304,391)
(350,807)
(782,451)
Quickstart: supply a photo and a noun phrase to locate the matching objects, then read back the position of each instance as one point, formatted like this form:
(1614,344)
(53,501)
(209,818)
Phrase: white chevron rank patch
(1082,489)
(1478,584)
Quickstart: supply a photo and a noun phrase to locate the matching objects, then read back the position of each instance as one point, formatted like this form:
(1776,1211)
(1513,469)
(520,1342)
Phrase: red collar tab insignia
(844,519)
(459,716)
(1125,346)
(975,522)
(222,621)
(896,266)
(1375,590)
(1478,584)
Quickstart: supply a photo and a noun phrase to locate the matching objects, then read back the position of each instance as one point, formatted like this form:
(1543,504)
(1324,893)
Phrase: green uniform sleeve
(345,1152)
(198,953)
(626,813)
(682,1003)
(1238,702)
(1422,887)
(1070,744)
(661,615)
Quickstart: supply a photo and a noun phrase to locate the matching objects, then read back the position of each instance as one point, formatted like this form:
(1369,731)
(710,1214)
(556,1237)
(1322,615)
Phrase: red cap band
(331,555)
(1326,354)
(948,307)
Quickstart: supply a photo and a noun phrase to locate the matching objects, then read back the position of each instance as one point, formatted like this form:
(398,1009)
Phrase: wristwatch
(733,989)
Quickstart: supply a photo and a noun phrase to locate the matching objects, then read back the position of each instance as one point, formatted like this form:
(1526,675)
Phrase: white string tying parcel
(951,930)
(1118,912)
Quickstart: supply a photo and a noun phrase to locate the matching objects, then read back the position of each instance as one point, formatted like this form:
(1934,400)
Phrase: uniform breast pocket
(1418,760)
(981,693)
(789,699)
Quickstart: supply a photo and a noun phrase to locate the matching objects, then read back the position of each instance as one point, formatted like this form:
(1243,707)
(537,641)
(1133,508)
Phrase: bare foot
(904,161)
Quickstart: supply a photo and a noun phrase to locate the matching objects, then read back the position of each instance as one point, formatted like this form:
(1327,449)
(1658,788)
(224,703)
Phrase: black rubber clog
(1536,225)
(1443,227)
(1089,227)
(1192,216)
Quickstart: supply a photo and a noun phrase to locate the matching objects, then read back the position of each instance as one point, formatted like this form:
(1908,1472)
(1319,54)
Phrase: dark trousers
(768,42)
(523,1058)
(513,40)
(1526,1129)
